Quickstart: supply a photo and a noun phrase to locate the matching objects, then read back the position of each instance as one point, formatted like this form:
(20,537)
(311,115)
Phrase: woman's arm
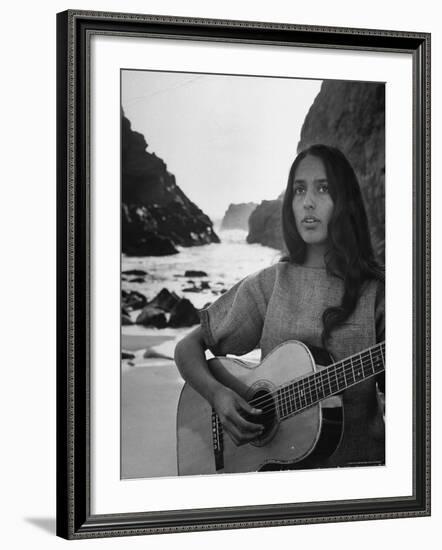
(231,407)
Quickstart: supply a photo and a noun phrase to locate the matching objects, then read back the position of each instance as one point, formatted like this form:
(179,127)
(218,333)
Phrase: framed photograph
(243,274)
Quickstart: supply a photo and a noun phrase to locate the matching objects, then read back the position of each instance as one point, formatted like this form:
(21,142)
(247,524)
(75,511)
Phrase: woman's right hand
(233,411)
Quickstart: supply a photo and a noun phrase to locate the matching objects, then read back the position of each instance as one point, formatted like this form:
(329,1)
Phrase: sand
(150,389)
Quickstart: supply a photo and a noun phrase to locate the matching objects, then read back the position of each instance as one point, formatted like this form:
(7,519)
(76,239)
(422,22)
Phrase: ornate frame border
(74,30)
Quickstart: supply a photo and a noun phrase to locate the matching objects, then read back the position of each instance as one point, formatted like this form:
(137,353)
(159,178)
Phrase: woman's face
(312,204)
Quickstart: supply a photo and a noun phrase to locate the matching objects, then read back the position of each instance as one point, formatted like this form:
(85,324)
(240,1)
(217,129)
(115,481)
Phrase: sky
(226,138)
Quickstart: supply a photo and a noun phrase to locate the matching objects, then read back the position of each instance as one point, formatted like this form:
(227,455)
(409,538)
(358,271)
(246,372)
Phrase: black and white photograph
(252,274)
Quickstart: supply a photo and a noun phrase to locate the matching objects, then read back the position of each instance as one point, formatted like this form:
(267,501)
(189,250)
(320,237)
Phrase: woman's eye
(298,190)
(323,188)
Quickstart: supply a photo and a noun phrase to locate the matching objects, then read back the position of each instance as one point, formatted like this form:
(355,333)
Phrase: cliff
(265,225)
(156,214)
(350,116)
(237,216)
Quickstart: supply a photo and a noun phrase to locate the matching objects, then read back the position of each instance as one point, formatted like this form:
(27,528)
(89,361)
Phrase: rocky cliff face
(350,116)
(265,225)
(156,214)
(237,216)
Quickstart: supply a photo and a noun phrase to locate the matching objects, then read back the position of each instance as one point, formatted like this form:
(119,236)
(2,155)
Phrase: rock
(147,243)
(152,317)
(126,320)
(165,300)
(133,300)
(204,285)
(265,225)
(195,273)
(184,314)
(137,280)
(125,355)
(237,216)
(351,117)
(136,272)
(156,214)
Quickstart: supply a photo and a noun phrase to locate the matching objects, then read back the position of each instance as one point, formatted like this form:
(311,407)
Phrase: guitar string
(317,401)
(341,375)
(380,347)
(300,402)
(293,407)
(306,382)
(311,382)
(262,403)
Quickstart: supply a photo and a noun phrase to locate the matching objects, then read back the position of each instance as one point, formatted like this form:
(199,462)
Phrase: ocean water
(225,264)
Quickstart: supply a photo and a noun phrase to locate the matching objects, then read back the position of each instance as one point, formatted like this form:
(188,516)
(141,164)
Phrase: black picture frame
(74,518)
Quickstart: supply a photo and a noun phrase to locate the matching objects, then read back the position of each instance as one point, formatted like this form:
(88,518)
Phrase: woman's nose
(309,201)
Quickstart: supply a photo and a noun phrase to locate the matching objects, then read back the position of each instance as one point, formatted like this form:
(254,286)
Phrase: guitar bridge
(217,441)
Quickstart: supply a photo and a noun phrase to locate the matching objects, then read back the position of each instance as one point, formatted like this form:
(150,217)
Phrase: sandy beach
(150,389)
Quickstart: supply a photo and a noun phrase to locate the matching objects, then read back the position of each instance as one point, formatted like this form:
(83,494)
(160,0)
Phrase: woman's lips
(310,222)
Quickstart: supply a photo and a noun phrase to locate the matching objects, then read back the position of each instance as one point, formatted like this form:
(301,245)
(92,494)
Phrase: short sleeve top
(286,302)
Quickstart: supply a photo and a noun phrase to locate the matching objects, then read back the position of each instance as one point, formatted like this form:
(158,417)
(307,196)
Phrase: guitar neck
(303,393)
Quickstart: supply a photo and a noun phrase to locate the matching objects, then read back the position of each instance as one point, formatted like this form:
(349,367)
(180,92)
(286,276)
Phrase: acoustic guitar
(297,387)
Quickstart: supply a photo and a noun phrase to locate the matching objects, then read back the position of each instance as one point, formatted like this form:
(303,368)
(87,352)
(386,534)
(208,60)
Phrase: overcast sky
(227,139)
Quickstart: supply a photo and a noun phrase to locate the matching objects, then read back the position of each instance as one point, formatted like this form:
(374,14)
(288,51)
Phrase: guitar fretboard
(301,394)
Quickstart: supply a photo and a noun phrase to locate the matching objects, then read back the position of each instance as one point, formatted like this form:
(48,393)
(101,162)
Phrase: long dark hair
(349,255)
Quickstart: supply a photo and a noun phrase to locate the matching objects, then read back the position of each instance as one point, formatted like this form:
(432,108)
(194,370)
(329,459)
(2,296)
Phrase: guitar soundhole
(263,399)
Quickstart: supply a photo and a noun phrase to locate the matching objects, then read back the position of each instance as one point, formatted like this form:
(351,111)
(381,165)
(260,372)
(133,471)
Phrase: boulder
(184,314)
(126,320)
(195,273)
(152,317)
(165,300)
(133,300)
(135,272)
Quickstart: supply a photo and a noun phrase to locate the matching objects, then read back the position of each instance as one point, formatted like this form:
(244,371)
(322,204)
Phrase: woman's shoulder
(267,279)
(264,277)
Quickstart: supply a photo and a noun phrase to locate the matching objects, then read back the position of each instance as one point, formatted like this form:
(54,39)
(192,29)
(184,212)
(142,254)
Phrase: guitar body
(203,448)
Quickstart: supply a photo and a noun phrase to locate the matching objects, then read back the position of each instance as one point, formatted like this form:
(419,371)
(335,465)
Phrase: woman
(328,292)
